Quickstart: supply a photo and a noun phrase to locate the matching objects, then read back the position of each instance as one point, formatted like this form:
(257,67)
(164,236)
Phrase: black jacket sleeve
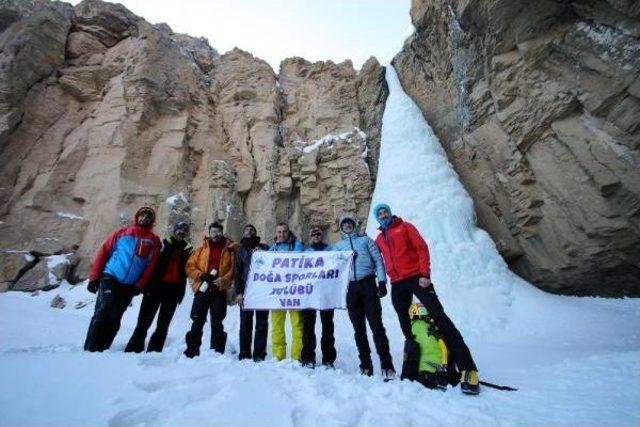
(239,277)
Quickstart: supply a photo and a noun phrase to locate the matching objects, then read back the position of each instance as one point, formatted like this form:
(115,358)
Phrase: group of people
(133,261)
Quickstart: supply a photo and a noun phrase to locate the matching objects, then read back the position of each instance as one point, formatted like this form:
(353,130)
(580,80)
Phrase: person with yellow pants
(286,242)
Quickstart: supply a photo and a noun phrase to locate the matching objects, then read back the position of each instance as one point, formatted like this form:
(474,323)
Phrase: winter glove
(382,289)
(93,286)
(206,277)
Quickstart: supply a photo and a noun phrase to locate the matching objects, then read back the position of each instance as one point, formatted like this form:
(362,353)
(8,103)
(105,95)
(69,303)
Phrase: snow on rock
(310,146)
(69,215)
(172,200)
(58,266)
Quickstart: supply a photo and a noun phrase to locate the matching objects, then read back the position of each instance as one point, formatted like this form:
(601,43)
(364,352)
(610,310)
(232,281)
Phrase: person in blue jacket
(363,295)
(327,341)
(123,265)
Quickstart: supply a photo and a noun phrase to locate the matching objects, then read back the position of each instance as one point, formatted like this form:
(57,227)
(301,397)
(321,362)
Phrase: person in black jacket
(165,291)
(327,340)
(250,243)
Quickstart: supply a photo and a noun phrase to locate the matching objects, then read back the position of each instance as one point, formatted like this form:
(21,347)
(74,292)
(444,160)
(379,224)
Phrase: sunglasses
(316,234)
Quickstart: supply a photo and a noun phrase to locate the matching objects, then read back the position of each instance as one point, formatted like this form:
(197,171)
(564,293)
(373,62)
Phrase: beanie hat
(181,226)
(385,223)
(215,224)
(148,210)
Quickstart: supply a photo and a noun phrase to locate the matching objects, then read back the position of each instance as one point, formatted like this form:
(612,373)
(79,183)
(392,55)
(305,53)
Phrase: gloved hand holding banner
(298,280)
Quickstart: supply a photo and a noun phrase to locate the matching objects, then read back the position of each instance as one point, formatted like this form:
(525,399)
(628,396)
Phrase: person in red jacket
(406,257)
(123,266)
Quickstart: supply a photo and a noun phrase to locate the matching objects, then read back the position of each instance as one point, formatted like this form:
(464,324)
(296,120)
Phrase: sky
(277,29)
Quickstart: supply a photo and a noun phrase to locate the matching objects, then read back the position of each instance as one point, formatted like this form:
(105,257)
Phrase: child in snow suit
(429,362)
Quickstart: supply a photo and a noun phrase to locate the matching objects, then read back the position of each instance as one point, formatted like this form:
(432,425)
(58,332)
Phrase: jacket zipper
(355,277)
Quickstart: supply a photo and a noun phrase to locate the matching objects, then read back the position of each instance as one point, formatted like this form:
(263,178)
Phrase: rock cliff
(538,107)
(102,112)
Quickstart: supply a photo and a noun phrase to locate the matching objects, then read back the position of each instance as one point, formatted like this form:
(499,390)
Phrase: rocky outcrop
(538,107)
(103,112)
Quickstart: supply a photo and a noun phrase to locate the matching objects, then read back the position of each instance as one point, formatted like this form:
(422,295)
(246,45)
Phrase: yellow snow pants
(278,337)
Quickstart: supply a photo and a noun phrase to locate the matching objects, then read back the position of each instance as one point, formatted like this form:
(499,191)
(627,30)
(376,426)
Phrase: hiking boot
(191,353)
(310,365)
(366,371)
(328,365)
(469,383)
(388,374)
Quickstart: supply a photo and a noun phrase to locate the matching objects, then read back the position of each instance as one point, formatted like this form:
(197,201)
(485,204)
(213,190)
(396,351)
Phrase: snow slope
(575,360)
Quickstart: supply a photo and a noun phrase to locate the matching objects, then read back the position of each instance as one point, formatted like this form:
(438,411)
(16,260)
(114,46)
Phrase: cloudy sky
(276,29)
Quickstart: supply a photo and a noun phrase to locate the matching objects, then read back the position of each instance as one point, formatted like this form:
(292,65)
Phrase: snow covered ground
(576,361)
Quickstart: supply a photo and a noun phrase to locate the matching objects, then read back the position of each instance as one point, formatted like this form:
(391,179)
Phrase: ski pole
(498,387)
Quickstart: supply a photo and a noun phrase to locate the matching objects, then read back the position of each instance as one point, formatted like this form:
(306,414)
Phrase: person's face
(215,234)
(181,234)
(347,227)
(282,233)
(315,235)
(249,232)
(144,219)
(383,214)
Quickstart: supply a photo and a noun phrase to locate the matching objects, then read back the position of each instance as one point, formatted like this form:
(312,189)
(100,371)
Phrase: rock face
(102,112)
(538,107)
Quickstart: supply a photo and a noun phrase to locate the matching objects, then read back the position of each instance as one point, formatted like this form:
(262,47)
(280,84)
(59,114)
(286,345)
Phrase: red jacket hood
(153,216)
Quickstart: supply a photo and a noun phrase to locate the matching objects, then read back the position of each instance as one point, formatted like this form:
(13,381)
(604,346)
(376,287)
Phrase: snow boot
(366,371)
(388,375)
(469,383)
(410,362)
(192,352)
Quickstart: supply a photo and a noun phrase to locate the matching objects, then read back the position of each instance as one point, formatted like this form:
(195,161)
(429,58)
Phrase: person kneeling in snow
(164,292)
(122,268)
(210,267)
(426,359)
(406,257)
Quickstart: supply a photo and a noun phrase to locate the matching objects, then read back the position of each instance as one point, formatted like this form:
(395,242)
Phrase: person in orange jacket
(210,268)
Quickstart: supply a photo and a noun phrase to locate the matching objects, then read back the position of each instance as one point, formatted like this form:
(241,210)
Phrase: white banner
(298,280)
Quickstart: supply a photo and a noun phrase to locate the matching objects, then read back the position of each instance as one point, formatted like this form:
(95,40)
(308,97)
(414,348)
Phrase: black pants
(113,300)
(214,302)
(165,299)
(402,294)
(327,340)
(246,334)
(363,303)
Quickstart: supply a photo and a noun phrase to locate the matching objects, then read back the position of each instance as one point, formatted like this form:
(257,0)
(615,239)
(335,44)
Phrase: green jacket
(433,351)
